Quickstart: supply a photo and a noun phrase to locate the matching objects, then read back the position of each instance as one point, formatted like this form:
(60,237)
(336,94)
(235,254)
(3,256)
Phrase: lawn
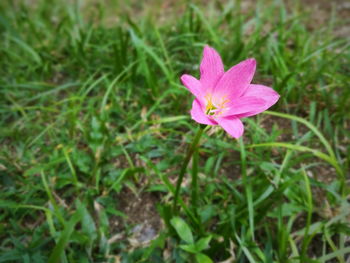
(95,125)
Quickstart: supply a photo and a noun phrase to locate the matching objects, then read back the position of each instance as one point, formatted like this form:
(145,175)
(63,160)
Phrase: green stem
(194,187)
(187,159)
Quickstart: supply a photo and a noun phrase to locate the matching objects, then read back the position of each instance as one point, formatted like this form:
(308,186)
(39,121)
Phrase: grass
(94,118)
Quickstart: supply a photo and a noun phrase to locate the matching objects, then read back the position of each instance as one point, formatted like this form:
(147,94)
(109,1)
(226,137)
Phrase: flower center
(215,107)
(210,109)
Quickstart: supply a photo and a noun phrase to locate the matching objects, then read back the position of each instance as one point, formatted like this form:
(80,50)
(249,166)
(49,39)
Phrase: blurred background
(94,124)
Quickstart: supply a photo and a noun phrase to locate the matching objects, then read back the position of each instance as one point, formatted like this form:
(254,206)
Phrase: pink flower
(223,98)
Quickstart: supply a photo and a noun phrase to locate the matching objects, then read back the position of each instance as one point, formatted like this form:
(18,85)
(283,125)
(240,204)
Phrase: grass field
(95,124)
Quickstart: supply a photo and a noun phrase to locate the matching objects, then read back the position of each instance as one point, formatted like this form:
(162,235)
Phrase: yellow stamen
(210,107)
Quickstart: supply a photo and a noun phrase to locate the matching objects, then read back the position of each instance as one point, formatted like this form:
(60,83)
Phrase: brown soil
(321,13)
(140,209)
(141,215)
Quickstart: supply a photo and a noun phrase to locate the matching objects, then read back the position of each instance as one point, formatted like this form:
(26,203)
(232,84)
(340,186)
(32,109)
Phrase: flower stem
(194,186)
(187,159)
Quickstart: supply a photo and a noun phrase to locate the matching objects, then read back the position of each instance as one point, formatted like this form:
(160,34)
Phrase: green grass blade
(64,239)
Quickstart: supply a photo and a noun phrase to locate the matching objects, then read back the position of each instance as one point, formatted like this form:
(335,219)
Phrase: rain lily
(223,98)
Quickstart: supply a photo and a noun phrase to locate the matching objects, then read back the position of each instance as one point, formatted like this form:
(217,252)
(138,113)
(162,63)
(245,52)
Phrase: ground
(95,126)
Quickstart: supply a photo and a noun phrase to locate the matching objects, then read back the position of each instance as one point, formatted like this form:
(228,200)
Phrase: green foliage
(184,232)
(94,127)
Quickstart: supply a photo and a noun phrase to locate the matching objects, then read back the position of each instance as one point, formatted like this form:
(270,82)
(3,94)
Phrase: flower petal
(198,115)
(193,85)
(232,125)
(236,80)
(211,68)
(259,91)
(244,105)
